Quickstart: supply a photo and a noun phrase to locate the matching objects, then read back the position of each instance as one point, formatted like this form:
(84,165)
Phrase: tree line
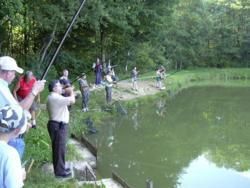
(146,33)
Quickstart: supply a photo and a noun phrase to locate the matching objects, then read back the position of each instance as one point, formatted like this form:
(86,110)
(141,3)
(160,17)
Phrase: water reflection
(161,107)
(134,117)
(203,173)
(173,149)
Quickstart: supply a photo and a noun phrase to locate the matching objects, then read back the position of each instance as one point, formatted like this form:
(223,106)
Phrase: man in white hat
(8,69)
(13,121)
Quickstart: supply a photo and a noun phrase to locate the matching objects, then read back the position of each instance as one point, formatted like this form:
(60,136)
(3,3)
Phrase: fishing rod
(80,75)
(113,66)
(152,77)
(62,41)
(171,73)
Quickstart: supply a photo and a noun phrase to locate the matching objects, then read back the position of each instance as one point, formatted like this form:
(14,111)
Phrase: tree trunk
(10,37)
(102,42)
(46,47)
(26,35)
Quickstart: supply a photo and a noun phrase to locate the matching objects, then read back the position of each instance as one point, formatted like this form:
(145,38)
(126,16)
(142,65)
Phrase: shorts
(158,78)
(33,107)
(134,79)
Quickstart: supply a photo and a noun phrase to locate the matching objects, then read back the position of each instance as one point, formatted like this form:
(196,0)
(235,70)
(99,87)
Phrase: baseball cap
(13,117)
(8,63)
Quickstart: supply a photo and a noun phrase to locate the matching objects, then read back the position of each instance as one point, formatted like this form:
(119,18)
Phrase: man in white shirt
(134,75)
(57,106)
(108,87)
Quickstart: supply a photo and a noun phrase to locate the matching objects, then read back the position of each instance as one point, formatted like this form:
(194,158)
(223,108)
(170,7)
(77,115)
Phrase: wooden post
(121,181)
(149,183)
(30,166)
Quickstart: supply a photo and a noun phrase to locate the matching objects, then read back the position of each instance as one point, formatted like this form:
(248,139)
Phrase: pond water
(198,139)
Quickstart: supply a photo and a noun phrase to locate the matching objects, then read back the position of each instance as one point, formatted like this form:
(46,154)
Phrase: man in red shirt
(22,89)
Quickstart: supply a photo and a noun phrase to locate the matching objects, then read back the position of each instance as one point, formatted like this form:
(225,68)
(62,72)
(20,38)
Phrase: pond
(199,138)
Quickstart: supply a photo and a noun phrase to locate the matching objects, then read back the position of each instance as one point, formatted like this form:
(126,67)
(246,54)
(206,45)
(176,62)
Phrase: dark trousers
(98,77)
(58,135)
(108,94)
(85,98)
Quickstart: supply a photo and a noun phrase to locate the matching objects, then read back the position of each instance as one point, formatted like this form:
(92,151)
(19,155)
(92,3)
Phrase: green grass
(40,180)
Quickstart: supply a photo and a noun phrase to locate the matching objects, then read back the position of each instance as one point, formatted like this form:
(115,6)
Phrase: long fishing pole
(77,78)
(152,77)
(80,75)
(61,43)
(170,74)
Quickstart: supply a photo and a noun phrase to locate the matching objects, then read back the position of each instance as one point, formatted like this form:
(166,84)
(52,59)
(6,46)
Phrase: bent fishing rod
(152,77)
(78,77)
(172,73)
(63,39)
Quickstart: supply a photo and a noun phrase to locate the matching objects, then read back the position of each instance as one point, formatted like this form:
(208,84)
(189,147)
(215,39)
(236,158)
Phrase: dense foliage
(145,33)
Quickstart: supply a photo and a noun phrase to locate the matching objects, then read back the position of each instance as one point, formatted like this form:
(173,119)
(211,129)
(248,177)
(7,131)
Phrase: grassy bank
(176,81)
(38,142)
(207,77)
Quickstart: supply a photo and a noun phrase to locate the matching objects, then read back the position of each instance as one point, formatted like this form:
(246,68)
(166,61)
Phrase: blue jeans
(19,145)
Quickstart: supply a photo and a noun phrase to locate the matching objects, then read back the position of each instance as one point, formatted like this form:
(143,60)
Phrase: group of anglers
(15,120)
(110,78)
(17,114)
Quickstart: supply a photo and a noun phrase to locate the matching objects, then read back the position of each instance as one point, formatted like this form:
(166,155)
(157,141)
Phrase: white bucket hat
(8,63)
(13,117)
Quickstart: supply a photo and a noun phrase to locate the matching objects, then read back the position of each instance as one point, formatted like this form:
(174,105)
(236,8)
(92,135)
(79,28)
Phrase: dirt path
(124,91)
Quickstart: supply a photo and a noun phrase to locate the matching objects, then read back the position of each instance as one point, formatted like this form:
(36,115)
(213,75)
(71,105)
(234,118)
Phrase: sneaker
(84,109)
(33,126)
(67,170)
